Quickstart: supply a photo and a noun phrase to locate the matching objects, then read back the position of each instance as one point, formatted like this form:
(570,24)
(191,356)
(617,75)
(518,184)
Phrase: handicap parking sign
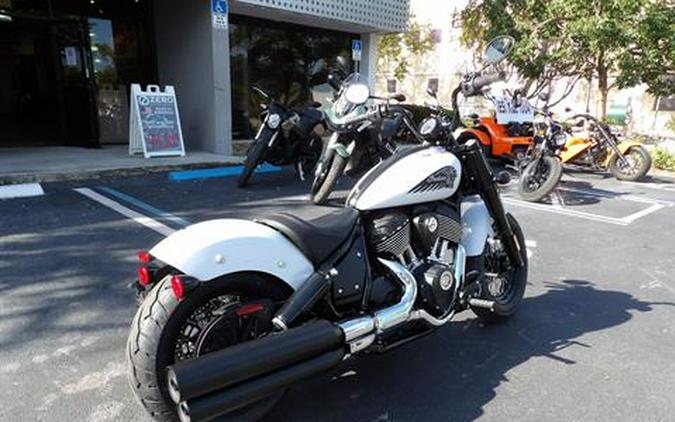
(219,6)
(219,12)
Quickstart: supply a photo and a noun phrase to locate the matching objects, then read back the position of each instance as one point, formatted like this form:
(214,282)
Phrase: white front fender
(476,226)
(214,248)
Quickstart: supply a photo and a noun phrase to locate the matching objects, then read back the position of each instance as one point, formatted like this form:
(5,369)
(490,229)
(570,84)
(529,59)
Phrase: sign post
(154,122)
(356,53)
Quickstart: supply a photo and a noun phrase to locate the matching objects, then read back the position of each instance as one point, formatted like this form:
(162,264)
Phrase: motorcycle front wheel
(539,178)
(639,163)
(253,158)
(327,177)
(501,283)
(165,331)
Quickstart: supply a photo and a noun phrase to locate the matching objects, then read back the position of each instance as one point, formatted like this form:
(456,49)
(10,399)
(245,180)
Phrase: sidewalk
(49,164)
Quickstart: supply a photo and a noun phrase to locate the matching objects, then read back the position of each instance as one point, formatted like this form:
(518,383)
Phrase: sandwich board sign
(154,122)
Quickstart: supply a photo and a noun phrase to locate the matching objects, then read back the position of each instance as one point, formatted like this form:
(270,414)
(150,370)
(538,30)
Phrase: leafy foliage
(630,40)
(663,159)
(397,48)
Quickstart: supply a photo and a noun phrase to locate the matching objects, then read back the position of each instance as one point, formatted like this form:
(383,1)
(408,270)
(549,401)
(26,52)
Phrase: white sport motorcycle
(237,310)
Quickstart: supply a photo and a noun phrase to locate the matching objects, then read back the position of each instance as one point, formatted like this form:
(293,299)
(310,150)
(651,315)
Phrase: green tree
(619,43)
(396,49)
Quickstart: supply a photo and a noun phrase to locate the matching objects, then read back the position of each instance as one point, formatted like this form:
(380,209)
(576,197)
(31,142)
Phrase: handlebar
(479,82)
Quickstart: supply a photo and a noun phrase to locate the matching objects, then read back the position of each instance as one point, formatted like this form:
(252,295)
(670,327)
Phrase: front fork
(479,173)
(333,147)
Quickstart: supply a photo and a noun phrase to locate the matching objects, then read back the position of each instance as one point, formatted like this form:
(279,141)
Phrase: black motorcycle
(541,169)
(286,137)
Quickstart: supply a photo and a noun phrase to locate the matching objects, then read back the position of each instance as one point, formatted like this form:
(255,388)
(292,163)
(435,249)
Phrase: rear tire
(636,152)
(152,343)
(506,304)
(323,190)
(253,158)
(553,175)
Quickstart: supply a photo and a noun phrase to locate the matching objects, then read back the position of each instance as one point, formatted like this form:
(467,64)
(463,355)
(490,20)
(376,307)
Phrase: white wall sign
(356,50)
(219,14)
(507,112)
(154,122)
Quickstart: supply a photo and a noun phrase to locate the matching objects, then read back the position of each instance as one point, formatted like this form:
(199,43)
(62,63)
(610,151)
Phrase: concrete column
(194,57)
(369,58)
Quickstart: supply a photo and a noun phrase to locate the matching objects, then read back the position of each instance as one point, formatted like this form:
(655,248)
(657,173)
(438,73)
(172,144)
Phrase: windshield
(342,108)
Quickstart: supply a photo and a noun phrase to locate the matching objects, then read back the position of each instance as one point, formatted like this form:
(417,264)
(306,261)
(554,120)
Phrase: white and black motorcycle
(236,310)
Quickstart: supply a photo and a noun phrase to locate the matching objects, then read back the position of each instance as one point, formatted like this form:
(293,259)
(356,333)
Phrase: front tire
(539,178)
(638,154)
(253,158)
(322,189)
(507,299)
(153,343)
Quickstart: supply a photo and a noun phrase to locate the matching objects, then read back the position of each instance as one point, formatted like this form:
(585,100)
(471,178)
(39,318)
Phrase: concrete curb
(85,174)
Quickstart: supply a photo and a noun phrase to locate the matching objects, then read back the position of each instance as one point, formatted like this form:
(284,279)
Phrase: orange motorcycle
(511,140)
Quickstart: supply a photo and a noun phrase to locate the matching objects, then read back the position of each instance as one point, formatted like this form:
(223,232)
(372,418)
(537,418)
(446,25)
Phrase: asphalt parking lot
(593,341)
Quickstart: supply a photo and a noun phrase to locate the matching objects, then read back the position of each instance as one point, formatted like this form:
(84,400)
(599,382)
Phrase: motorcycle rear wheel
(634,153)
(157,340)
(539,178)
(509,295)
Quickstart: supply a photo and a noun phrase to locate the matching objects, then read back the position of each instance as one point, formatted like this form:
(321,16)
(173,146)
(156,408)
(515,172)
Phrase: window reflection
(279,58)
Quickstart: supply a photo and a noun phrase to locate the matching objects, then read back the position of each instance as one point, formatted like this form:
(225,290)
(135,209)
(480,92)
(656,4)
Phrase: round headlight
(428,126)
(560,139)
(273,121)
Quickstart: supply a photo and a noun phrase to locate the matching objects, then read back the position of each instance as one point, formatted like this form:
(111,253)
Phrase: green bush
(663,159)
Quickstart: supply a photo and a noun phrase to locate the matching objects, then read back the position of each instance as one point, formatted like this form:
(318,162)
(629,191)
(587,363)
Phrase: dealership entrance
(66,67)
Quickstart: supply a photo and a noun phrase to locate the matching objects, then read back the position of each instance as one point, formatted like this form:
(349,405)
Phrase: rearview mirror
(431,92)
(544,96)
(342,63)
(498,49)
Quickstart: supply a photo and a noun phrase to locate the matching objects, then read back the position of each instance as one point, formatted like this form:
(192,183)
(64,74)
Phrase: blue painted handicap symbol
(219,6)
(356,45)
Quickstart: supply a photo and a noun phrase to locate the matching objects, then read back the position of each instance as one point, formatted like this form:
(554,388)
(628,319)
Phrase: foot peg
(482,303)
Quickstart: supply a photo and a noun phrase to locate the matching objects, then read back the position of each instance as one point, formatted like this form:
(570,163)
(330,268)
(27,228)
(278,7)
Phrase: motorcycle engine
(425,242)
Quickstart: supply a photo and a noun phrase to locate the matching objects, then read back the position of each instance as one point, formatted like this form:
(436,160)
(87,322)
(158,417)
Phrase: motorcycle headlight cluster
(560,139)
(428,126)
(273,121)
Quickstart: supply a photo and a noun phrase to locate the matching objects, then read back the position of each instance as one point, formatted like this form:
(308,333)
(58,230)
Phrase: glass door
(75,84)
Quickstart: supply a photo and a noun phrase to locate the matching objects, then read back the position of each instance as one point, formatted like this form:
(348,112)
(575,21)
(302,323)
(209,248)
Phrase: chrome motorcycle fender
(214,248)
(476,226)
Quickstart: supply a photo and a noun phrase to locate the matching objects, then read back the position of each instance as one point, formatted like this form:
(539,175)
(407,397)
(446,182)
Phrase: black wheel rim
(499,274)
(211,326)
(537,176)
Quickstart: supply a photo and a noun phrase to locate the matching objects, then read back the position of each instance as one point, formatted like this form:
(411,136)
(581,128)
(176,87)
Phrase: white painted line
(530,243)
(617,195)
(643,213)
(23,190)
(566,211)
(136,216)
(668,187)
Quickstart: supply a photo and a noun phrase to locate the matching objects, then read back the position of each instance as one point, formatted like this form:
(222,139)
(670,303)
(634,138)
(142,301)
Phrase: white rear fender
(214,248)
(476,226)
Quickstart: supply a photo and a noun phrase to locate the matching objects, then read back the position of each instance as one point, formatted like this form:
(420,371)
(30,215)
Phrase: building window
(437,35)
(432,84)
(391,86)
(279,58)
(664,104)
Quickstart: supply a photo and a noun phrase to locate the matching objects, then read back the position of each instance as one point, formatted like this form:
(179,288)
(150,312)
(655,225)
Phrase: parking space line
(566,211)
(617,195)
(655,207)
(22,190)
(145,206)
(136,216)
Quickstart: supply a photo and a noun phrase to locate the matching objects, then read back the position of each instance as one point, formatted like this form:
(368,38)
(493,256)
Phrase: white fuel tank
(413,176)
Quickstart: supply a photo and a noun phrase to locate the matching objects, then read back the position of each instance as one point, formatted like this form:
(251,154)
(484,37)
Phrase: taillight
(178,287)
(181,285)
(144,275)
(144,257)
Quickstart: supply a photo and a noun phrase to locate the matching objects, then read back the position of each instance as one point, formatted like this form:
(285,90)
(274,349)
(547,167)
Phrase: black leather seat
(317,237)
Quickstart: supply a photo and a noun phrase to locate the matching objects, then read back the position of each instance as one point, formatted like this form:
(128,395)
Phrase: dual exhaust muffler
(223,381)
